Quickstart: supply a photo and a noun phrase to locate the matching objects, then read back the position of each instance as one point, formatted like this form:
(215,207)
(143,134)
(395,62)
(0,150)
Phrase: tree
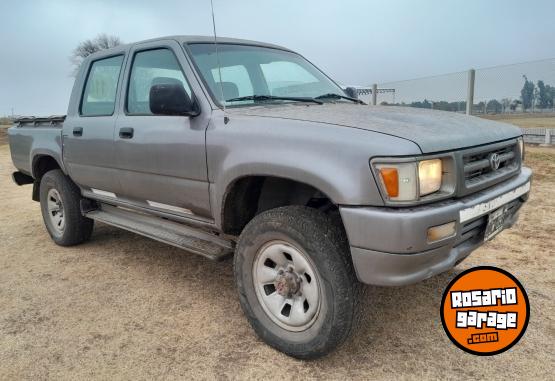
(527,93)
(545,95)
(514,104)
(442,105)
(88,47)
(495,106)
(506,102)
(425,104)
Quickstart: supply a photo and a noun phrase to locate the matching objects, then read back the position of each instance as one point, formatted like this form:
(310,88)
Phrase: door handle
(126,133)
(78,131)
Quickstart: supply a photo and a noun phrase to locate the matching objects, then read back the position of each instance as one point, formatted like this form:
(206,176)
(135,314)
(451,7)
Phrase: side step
(185,237)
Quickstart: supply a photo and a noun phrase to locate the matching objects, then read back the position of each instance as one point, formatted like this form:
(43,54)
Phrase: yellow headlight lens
(429,175)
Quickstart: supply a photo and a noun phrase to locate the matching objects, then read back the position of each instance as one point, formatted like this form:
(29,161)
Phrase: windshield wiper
(272,97)
(339,96)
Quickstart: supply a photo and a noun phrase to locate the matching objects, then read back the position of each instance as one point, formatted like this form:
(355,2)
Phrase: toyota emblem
(494,161)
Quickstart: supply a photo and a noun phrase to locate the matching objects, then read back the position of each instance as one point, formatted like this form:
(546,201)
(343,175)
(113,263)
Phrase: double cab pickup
(246,149)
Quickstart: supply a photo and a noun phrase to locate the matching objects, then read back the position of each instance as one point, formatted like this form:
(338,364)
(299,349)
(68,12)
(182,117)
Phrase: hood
(431,130)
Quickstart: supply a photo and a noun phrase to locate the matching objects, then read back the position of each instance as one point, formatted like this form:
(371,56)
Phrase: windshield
(253,70)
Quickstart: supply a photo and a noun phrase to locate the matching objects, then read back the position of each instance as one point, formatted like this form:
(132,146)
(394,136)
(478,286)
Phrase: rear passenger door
(161,160)
(88,131)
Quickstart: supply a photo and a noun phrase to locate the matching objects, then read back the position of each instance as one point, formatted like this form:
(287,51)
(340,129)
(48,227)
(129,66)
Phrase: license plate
(496,222)
(486,207)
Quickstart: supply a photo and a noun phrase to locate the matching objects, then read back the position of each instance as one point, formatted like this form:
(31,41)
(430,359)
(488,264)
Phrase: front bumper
(389,245)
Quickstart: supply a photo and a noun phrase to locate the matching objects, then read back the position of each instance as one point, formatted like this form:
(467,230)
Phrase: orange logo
(485,310)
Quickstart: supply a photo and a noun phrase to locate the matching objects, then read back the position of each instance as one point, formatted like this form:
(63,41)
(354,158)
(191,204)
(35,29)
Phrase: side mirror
(171,99)
(351,92)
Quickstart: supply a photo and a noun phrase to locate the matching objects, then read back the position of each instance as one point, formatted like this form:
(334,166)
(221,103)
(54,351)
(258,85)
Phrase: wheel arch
(40,165)
(249,195)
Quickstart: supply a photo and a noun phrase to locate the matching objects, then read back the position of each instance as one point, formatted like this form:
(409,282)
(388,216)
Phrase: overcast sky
(356,42)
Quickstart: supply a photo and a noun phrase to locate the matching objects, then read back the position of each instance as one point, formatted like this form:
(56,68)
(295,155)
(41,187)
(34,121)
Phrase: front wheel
(59,203)
(296,281)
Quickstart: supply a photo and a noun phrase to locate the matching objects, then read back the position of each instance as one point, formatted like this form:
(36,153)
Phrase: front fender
(332,159)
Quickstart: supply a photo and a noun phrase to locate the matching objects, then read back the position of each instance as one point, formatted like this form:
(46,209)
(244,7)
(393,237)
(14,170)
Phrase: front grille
(473,229)
(477,165)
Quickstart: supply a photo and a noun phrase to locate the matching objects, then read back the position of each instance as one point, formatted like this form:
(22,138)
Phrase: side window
(99,97)
(152,67)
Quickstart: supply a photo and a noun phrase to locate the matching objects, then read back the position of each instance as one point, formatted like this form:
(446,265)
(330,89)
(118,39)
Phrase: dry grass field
(526,120)
(125,307)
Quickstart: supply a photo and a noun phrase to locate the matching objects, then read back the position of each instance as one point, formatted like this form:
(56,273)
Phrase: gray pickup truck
(247,149)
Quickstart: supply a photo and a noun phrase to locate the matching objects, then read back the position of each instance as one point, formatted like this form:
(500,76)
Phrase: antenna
(217,55)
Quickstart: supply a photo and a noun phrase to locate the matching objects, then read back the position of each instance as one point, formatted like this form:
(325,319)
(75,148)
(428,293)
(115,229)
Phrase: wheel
(296,281)
(61,212)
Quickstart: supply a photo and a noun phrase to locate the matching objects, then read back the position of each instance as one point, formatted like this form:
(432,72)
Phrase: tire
(324,251)
(59,194)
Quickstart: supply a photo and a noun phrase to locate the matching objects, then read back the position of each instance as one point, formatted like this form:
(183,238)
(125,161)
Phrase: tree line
(540,95)
(532,96)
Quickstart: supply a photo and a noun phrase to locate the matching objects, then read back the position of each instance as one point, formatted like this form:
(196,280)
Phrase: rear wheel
(59,200)
(296,281)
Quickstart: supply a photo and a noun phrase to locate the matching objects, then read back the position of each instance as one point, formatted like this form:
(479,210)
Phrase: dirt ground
(125,307)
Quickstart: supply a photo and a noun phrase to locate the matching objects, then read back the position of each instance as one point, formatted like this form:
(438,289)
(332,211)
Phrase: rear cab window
(99,96)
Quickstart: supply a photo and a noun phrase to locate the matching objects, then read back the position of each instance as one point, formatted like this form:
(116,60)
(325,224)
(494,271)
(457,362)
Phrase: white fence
(537,135)
(523,87)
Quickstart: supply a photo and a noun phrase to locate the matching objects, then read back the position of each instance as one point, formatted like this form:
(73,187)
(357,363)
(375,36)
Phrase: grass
(526,120)
(123,306)
(4,133)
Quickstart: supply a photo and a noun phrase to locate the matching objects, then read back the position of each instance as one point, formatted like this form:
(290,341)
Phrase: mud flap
(36,191)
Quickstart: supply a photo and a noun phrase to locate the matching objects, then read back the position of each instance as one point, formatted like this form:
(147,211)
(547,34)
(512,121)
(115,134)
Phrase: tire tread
(327,236)
(78,228)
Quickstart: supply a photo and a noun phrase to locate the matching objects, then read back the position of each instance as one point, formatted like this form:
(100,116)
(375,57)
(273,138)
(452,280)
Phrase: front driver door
(161,160)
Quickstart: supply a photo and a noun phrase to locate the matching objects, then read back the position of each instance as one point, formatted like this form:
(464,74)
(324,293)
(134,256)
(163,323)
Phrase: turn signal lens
(390,178)
(429,175)
(398,180)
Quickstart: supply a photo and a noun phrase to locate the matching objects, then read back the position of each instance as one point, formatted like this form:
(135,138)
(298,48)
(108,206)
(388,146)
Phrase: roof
(189,40)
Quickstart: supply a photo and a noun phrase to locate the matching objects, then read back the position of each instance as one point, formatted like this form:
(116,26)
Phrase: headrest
(165,81)
(229,89)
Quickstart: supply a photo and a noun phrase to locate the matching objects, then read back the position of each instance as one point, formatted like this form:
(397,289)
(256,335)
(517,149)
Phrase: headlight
(429,176)
(406,180)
